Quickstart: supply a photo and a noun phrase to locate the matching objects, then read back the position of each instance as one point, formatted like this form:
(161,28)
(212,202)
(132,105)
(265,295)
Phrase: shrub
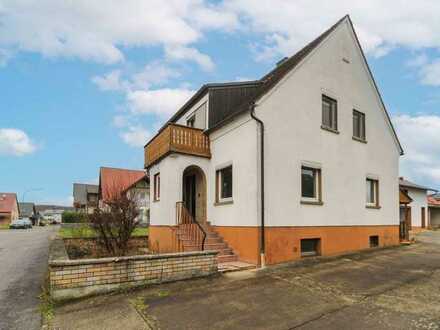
(73,217)
(115,222)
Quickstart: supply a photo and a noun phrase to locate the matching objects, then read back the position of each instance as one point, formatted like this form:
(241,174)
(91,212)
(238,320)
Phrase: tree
(116,220)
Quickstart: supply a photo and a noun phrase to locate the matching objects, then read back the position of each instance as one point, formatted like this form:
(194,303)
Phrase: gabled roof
(268,81)
(27,209)
(112,180)
(7,202)
(409,184)
(434,200)
(404,197)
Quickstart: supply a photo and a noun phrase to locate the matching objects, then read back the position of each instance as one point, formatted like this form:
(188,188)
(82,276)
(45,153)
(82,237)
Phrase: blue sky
(87,89)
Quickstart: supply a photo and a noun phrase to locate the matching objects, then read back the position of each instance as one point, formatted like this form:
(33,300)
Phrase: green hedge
(73,217)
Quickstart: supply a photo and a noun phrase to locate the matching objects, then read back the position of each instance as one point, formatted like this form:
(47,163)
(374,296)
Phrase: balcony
(178,139)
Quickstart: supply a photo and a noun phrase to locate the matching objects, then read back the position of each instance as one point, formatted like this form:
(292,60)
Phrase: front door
(189,194)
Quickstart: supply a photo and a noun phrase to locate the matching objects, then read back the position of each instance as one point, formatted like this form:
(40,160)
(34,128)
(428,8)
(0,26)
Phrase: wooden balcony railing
(177,138)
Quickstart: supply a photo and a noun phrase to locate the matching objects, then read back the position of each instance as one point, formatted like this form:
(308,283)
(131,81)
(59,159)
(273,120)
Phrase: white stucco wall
(420,200)
(292,116)
(236,144)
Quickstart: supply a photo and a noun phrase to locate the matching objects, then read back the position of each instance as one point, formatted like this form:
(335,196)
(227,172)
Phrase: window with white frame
(358,125)
(310,184)
(190,122)
(329,113)
(224,184)
(157,186)
(372,190)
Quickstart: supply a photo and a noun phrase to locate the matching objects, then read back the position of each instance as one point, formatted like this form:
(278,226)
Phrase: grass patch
(4,226)
(46,305)
(84,231)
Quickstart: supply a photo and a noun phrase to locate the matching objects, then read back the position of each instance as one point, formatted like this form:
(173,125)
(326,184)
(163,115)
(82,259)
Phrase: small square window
(374,241)
(157,186)
(224,184)
(191,121)
(372,190)
(358,125)
(329,113)
(310,247)
(310,183)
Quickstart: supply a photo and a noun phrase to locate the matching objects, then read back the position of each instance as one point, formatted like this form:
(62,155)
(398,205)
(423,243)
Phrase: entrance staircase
(194,236)
(213,242)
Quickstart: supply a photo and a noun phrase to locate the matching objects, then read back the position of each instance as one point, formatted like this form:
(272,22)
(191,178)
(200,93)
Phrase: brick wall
(78,278)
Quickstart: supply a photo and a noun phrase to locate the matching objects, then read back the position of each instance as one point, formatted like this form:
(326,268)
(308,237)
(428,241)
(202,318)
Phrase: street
(23,260)
(396,288)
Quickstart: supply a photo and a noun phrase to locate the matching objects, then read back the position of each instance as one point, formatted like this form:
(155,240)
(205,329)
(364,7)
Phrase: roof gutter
(262,234)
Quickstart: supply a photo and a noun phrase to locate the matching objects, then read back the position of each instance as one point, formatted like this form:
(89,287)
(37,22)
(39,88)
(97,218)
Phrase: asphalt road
(23,264)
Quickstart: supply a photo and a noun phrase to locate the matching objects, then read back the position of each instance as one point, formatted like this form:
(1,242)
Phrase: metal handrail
(180,208)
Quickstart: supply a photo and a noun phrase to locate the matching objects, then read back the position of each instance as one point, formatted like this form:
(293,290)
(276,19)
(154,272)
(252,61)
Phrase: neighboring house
(415,213)
(116,180)
(9,209)
(52,213)
(280,168)
(28,210)
(434,210)
(85,197)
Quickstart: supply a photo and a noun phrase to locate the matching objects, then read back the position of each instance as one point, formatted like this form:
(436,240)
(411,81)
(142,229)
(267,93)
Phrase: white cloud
(381,25)
(152,74)
(187,53)
(110,81)
(430,73)
(15,142)
(162,102)
(135,136)
(420,139)
(99,30)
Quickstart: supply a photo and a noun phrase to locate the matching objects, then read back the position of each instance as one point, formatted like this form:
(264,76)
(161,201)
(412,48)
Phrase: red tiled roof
(116,180)
(7,202)
(433,202)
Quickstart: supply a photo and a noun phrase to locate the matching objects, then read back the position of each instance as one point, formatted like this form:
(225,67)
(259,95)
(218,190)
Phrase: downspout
(262,237)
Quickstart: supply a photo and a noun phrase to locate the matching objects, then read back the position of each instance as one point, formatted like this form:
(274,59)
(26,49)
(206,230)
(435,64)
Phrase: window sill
(359,139)
(156,200)
(223,203)
(377,207)
(329,129)
(304,202)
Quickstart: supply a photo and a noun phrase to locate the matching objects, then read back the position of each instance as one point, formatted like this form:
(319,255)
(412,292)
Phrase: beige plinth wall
(71,279)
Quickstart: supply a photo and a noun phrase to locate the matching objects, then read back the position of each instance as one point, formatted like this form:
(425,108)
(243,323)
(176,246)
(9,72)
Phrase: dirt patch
(86,248)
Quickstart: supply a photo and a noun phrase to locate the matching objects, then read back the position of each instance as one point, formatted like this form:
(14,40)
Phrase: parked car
(21,224)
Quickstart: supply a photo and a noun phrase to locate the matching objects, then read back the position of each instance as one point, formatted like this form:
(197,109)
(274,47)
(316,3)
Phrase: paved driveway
(396,288)
(23,263)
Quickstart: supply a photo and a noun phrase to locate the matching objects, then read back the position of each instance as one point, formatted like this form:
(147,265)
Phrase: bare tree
(115,220)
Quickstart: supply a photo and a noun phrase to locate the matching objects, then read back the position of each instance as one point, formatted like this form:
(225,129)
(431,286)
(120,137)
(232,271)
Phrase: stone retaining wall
(71,279)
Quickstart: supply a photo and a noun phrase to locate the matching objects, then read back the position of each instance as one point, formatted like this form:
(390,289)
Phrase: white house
(304,161)
(416,212)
